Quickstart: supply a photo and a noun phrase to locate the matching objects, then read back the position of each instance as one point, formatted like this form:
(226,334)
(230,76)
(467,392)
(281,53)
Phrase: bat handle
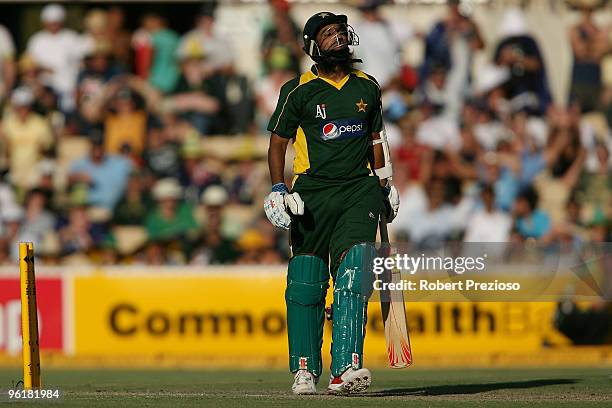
(382,226)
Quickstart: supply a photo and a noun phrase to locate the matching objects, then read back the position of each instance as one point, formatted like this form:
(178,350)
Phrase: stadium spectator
(118,36)
(45,180)
(31,75)
(172,218)
(563,172)
(518,50)
(136,201)
(596,186)
(280,40)
(12,218)
(589,44)
(432,90)
(217,247)
(8,202)
(438,219)
(60,50)
(214,200)
(436,130)
(450,46)
(468,154)
(198,174)
(244,185)
(256,249)
(268,88)
(162,155)
(488,224)
(126,123)
(571,229)
(197,96)
(8,208)
(7,62)
(5,258)
(38,222)
(29,72)
(206,40)
(92,83)
(28,136)
(530,221)
(501,169)
(211,93)
(534,157)
(490,102)
(380,43)
(77,233)
(237,103)
(154,254)
(96,25)
(104,175)
(155,48)
(411,154)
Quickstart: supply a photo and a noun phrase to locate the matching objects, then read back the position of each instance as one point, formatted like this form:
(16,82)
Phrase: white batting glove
(294,203)
(392,201)
(278,202)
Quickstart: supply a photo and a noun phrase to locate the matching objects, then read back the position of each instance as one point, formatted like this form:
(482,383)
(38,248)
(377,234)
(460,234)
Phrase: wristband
(280,188)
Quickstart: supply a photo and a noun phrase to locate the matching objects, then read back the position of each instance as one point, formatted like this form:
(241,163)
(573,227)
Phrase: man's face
(453,7)
(98,63)
(332,37)
(488,199)
(124,105)
(37,200)
(438,78)
(97,153)
(151,22)
(54,26)
(521,207)
(22,111)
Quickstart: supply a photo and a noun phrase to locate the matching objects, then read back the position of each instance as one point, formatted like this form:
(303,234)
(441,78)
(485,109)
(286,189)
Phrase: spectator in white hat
(27,134)
(214,199)
(218,247)
(60,50)
(173,218)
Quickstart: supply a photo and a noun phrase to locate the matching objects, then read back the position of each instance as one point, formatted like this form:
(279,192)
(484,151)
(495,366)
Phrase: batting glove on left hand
(277,203)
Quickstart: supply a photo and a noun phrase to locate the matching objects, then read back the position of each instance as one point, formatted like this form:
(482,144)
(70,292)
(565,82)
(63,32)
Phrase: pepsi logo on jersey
(342,129)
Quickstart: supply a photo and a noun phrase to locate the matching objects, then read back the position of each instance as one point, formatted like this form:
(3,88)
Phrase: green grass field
(391,388)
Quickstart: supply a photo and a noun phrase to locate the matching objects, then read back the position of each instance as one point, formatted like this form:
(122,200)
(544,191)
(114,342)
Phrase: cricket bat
(394,315)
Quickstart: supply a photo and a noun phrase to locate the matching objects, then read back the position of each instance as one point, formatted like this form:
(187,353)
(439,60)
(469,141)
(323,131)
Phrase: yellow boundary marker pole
(29,317)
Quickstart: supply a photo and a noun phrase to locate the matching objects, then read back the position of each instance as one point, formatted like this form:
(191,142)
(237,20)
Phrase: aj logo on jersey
(321,111)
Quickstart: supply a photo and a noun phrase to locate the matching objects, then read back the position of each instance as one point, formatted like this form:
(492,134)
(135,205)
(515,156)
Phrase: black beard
(342,59)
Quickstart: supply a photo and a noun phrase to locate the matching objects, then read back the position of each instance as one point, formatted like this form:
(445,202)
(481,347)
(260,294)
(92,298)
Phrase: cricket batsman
(333,115)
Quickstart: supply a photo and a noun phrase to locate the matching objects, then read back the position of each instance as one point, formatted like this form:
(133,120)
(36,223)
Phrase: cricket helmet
(312,28)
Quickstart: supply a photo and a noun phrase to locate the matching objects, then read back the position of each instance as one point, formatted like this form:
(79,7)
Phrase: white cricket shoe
(305,383)
(351,381)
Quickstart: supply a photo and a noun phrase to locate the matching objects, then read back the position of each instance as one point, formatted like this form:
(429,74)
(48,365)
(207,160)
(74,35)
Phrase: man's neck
(335,73)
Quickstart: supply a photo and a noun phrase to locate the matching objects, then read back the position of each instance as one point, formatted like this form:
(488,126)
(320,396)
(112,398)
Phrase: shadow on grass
(468,388)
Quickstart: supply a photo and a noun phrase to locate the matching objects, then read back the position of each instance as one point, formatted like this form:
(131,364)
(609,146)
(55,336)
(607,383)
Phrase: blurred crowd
(485,155)
(103,136)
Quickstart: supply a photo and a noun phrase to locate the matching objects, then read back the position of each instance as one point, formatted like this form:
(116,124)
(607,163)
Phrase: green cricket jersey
(331,123)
